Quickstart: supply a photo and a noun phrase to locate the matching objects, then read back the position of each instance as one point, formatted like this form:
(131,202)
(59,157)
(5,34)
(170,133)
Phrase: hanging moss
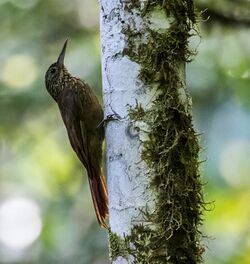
(172,149)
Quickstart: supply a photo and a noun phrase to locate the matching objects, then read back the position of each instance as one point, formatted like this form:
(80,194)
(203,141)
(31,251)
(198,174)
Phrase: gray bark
(126,172)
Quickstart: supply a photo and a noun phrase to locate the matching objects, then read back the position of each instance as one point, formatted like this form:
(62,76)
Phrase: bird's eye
(53,70)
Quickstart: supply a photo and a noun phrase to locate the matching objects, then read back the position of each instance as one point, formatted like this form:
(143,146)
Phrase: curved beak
(60,60)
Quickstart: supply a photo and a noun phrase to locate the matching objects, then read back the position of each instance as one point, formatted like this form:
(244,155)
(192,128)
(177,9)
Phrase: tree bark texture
(155,197)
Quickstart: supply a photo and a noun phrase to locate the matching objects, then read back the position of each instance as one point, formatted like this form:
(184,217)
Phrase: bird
(82,115)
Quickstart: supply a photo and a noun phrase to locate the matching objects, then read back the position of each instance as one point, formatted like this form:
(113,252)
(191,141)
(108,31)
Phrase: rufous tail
(99,194)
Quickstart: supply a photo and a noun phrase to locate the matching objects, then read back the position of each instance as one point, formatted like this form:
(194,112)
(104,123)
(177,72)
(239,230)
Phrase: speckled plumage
(82,115)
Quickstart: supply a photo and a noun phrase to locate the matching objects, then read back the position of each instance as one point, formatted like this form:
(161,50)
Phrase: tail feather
(99,194)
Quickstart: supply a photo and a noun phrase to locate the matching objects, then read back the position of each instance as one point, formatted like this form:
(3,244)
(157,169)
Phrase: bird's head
(56,70)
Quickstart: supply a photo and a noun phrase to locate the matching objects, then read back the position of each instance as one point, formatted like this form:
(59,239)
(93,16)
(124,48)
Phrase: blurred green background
(46,213)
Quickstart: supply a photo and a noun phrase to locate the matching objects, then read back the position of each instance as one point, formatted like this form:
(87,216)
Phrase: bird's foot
(108,118)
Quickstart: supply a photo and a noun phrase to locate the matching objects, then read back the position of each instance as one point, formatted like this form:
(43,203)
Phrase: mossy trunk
(152,151)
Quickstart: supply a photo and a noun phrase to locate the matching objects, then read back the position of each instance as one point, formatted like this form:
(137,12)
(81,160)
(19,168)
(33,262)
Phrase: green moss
(172,149)
(137,113)
(118,246)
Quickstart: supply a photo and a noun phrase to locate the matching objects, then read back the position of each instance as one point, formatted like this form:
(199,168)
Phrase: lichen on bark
(171,149)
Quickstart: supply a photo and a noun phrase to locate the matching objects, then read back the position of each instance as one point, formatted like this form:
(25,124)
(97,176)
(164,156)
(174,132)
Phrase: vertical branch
(122,89)
(152,153)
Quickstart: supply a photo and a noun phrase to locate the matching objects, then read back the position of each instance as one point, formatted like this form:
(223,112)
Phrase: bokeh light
(3,1)
(24,4)
(20,222)
(235,163)
(19,71)
(88,14)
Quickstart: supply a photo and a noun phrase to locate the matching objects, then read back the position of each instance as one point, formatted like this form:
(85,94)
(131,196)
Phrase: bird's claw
(108,118)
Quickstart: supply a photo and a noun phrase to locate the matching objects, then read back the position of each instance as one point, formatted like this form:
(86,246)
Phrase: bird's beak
(60,59)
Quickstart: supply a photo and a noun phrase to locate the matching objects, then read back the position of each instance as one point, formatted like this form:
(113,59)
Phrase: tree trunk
(155,197)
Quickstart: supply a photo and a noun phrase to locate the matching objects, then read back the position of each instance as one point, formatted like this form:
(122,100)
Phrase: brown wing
(69,109)
(91,116)
(82,114)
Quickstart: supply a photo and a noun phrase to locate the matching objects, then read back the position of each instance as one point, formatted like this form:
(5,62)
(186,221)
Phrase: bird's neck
(56,87)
